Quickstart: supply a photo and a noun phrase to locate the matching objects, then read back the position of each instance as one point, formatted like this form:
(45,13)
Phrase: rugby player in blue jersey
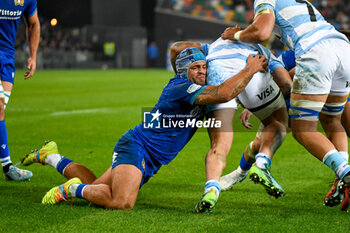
(262,96)
(11,12)
(141,151)
(320,84)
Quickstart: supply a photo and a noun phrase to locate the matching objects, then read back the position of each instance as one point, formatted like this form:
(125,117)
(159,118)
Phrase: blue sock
(62,164)
(244,164)
(76,190)
(4,148)
(79,192)
(337,163)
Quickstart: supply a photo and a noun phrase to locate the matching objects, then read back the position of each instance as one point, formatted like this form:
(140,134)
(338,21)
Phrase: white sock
(263,161)
(212,184)
(241,171)
(345,155)
(73,189)
(53,159)
(5,161)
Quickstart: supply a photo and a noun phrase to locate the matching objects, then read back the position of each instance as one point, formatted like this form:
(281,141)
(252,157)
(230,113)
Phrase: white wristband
(236,35)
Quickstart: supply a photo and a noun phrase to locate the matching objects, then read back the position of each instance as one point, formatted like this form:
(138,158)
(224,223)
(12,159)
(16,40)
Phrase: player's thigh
(7,86)
(222,137)
(279,115)
(345,118)
(126,180)
(333,109)
(105,178)
(304,111)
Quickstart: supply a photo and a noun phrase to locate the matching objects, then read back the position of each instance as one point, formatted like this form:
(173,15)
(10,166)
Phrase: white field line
(83,111)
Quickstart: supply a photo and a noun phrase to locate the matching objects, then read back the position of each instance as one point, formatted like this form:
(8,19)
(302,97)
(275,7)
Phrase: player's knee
(221,148)
(121,205)
(2,109)
(298,135)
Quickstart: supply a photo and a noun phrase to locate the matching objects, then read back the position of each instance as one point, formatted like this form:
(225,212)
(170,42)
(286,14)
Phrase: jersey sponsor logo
(19,2)
(193,88)
(266,93)
(11,15)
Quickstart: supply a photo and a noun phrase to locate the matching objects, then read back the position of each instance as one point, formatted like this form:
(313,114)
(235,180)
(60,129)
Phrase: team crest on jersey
(19,2)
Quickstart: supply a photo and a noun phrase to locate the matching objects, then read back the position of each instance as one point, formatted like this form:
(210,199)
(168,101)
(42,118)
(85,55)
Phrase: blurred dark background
(137,33)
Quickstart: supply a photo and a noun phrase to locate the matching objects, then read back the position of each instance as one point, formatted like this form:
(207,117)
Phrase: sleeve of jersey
(186,92)
(31,9)
(205,48)
(274,64)
(264,7)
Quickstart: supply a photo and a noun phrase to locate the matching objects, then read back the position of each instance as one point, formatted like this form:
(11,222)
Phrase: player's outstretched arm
(233,86)
(259,31)
(177,47)
(33,32)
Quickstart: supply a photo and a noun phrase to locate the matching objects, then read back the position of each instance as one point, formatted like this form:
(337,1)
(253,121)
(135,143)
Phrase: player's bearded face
(197,72)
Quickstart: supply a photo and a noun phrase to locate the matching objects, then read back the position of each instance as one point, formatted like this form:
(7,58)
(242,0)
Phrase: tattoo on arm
(211,94)
(240,87)
(208,94)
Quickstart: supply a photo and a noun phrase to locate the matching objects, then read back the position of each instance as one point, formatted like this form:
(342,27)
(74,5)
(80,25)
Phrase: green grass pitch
(86,112)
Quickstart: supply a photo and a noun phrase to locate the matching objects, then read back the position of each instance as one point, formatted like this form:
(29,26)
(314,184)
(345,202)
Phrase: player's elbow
(174,48)
(261,35)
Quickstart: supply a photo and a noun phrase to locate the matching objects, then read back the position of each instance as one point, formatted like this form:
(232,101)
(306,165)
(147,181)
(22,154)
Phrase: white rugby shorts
(261,96)
(324,69)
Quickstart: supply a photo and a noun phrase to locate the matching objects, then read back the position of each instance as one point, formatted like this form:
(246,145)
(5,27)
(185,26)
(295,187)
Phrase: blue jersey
(288,59)
(176,104)
(299,24)
(11,12)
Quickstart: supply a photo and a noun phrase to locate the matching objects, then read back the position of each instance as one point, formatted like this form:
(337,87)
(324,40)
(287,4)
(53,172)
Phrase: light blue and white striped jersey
(299,24)
(227,50)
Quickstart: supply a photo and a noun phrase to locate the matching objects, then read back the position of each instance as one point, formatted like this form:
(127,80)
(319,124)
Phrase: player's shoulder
(174,83)
(29,2)
(178,85)
(177,80)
